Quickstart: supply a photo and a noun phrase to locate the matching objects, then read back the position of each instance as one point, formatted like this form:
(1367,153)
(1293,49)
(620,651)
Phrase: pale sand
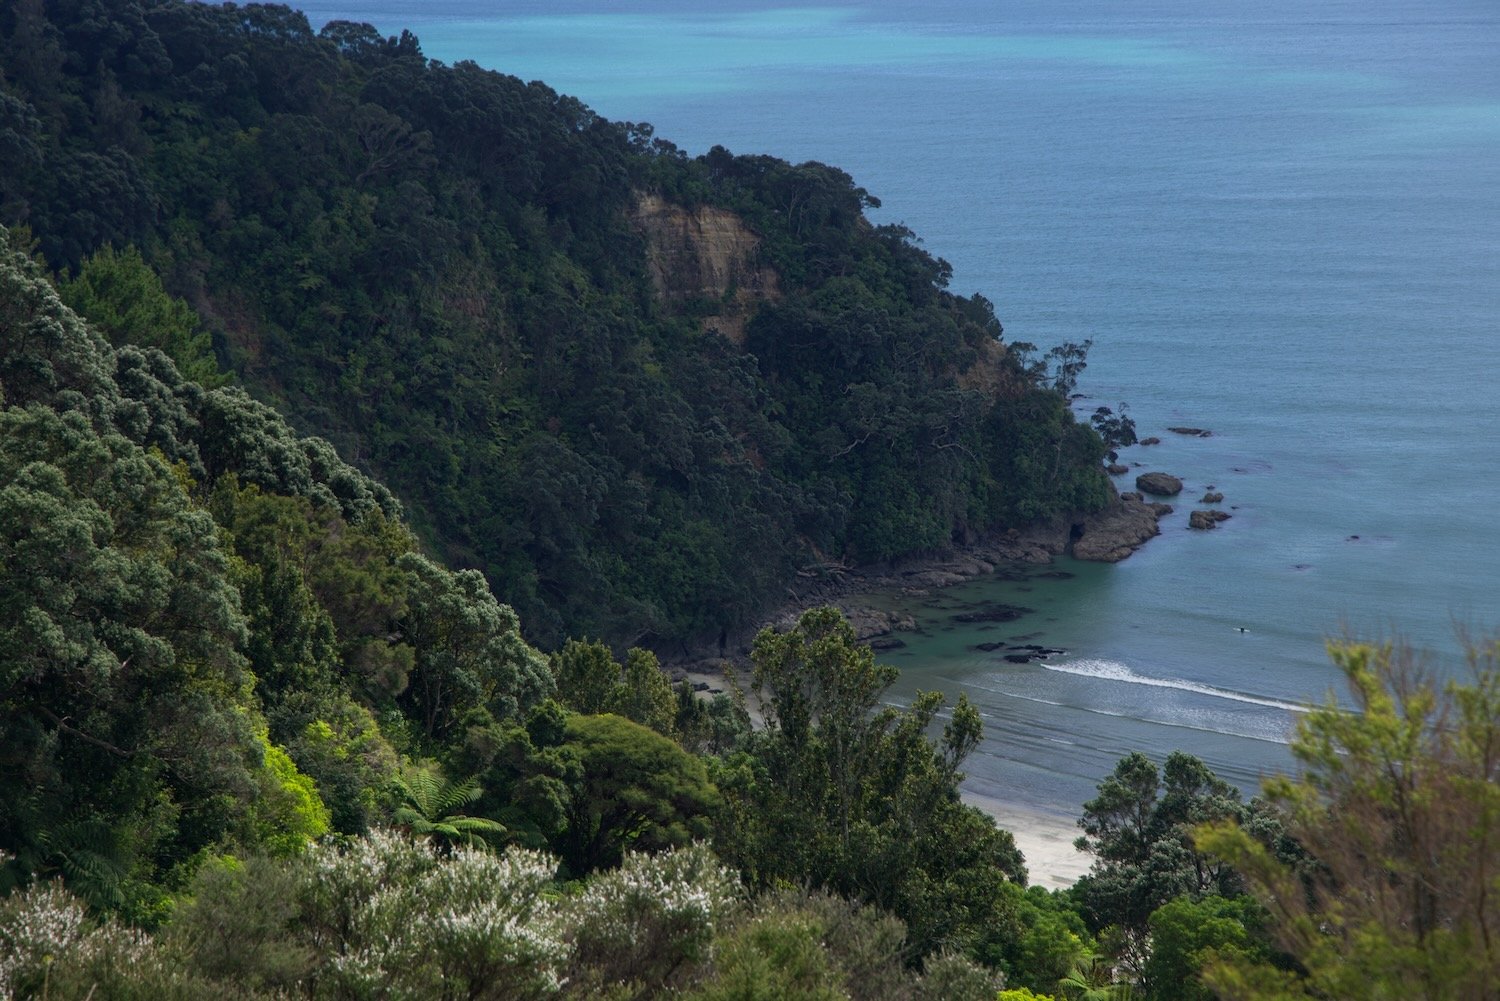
(1046,841)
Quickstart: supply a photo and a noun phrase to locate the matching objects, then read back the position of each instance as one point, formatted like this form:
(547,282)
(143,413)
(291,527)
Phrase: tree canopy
(444,271)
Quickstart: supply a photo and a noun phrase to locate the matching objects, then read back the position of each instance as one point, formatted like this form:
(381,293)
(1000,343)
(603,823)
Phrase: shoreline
(1107,536)
(1045,839)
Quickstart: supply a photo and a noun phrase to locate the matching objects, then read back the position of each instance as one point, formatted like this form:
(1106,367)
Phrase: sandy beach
(1045,839)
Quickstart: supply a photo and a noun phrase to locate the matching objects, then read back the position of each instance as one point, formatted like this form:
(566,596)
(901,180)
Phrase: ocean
(1279,222)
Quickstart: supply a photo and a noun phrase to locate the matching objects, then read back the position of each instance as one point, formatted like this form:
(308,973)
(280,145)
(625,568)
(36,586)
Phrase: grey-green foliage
(651,923)
(469,650)
(395,918)
(123,696)
(51,948)
(50,355)
(845,793)
(129,723)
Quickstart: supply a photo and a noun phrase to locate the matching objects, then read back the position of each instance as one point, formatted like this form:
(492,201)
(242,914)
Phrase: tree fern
(430,802)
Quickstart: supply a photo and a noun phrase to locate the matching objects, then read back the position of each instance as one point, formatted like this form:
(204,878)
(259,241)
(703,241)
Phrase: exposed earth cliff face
(705,258)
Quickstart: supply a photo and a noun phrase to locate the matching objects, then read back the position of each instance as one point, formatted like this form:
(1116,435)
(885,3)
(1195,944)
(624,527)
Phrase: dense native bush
(442,271)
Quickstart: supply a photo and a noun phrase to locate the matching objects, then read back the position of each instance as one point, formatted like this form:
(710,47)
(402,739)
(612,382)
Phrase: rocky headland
(1105,536)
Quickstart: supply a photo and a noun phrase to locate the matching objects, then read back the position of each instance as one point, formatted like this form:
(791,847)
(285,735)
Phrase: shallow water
(1280,222)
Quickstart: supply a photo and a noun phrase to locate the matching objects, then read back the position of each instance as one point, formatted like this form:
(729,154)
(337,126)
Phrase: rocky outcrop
(1193,432)
(1206,519)
(1153,440)
(1110,536)
(1116,469)
(1212,497)
(705,256)
(1160,484)
(869,623)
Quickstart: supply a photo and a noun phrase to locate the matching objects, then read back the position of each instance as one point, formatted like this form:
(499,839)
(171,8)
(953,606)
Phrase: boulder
(1162,484)
(1153,440)
(936,578)
(1212,497)
(1113,534)
(1194,432)
(868,623)
(997,612)
(1116,469)
(1206,519)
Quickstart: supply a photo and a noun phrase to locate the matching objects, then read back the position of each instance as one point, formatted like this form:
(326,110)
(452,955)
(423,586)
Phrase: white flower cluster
(654,906)
(407,922)
(43,925)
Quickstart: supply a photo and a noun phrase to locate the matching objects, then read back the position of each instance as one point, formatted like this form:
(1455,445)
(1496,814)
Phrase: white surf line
(1109,670)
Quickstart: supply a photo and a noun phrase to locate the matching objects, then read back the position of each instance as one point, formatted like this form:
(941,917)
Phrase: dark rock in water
(1212,497)
(1131,495)
(1153,440)
(1029,653)
(1113,534)
(994,613)
(1194,432)
(886,643)
(1024,636)
(1206,519)
(1162,484)
(989,647)
(1116,469)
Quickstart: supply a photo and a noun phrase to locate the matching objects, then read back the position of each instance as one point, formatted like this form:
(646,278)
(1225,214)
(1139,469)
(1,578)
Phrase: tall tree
(845,793)
(1399,803)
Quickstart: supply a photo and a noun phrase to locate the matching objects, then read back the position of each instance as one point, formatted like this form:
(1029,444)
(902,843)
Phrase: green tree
(638,791)
(589,681)
(1397,802)
(842,793)
(469,650)
(119,294)
(127,727)
(1186,933)
(1139,828)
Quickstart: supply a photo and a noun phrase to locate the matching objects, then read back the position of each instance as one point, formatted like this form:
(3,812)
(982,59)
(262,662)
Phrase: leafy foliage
(195,604)
(838,793)
(429,802)
(1140,830)
(1397,802)
(590,682)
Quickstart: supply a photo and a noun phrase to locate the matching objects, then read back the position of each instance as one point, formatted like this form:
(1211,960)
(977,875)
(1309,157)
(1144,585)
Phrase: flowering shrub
(45,928)
(653,917)
(400,920)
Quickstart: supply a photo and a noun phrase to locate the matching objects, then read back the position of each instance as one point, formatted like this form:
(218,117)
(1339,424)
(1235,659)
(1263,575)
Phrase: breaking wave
(1109,670)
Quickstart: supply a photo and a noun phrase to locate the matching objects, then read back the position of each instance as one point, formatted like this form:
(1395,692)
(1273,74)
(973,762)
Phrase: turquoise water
(1280,222)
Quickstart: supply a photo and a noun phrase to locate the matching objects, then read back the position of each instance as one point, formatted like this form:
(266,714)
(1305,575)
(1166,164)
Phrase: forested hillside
(226,674)
(455,278)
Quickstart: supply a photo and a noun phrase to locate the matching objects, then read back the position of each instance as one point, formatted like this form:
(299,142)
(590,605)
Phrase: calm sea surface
(1278,221)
